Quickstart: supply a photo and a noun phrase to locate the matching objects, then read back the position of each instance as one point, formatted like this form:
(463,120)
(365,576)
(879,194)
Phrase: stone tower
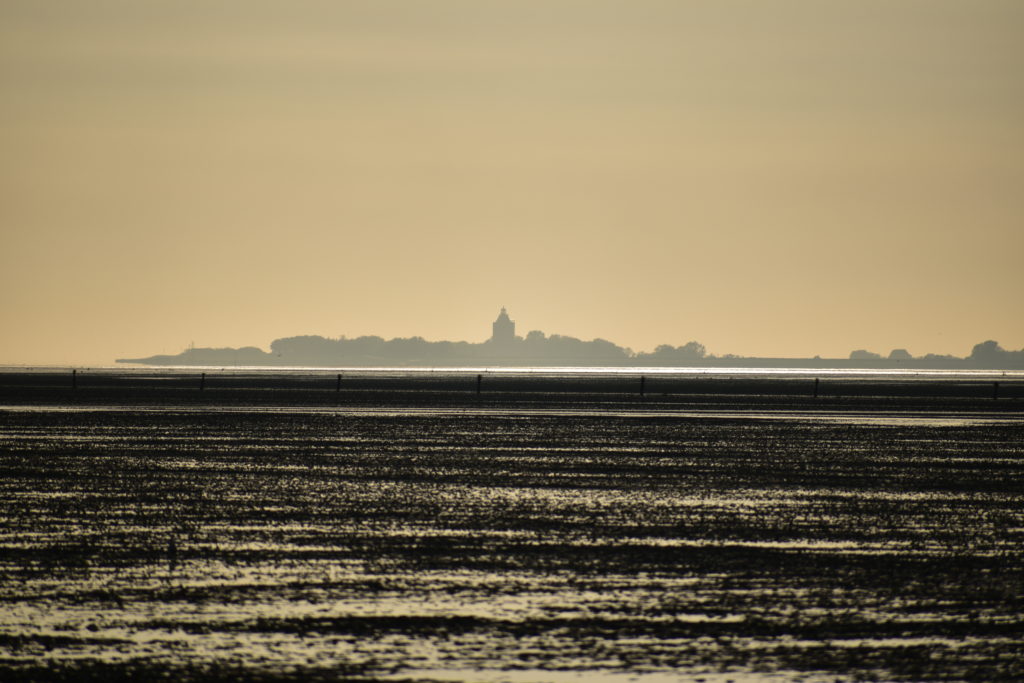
(503,330)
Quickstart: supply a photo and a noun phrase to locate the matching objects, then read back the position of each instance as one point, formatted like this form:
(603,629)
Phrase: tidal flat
(404,531)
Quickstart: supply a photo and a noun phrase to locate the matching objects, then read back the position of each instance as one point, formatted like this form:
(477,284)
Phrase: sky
(788,178)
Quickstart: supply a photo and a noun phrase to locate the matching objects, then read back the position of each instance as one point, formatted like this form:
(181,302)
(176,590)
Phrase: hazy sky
(783,177)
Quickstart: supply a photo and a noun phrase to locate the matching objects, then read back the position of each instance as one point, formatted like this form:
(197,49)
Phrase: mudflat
(442,527)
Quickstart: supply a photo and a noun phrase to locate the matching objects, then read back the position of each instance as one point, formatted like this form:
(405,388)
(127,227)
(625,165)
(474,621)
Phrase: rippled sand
(563,540)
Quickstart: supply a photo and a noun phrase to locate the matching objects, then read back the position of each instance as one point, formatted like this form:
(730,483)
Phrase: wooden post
(202,381)
(643,381)
(479,381)
(74,379)
(995,390)
(338,387)
(816,380)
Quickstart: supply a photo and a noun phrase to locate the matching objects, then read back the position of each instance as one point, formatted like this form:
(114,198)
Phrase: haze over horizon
(783,179)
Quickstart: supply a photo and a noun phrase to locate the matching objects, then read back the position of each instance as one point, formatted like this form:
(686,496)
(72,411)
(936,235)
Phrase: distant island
(505,348)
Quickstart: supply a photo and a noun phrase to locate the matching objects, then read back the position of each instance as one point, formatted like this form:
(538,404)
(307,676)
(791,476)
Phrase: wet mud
(582,537)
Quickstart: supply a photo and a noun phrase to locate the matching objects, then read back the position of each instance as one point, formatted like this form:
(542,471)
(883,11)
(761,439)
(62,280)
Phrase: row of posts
(480,381)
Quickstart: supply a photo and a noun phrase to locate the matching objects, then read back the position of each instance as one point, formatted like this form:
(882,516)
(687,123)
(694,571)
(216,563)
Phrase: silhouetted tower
(503,330)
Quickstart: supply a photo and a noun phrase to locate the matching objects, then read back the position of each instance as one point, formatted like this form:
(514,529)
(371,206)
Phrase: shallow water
(510,544)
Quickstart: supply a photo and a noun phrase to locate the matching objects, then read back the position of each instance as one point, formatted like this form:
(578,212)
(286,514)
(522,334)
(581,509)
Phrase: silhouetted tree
(666,354)
(987,351)
(988,354)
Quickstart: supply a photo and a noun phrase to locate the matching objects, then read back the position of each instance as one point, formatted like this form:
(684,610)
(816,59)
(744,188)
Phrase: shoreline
(529,370)
(670,392)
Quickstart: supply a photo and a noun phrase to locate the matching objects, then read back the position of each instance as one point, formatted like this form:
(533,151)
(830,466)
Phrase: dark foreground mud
(555,539)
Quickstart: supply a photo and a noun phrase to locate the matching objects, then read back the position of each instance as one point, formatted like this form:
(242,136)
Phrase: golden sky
(783,178)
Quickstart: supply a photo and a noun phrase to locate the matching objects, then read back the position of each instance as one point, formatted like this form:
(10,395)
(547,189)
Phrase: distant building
(503,330)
